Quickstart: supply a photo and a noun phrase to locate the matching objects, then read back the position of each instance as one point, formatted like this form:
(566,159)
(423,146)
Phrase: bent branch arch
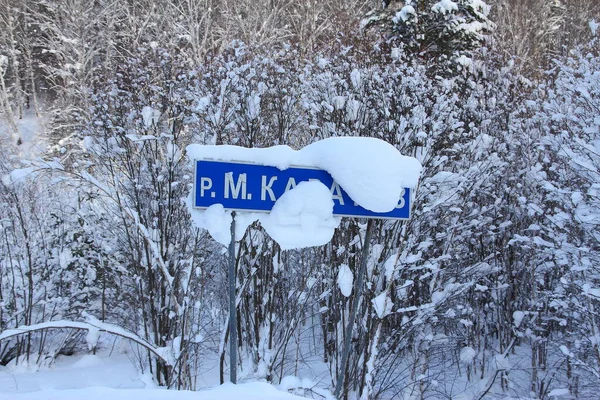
(94,325)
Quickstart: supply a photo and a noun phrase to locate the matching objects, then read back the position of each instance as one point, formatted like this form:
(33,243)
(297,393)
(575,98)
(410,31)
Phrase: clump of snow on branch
(345,279)
(406,13)
(444,6)
(467,355)
(150,116)
(382,304)
(518,318)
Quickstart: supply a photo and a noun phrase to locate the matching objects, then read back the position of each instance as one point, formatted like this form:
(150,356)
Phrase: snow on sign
(256,188)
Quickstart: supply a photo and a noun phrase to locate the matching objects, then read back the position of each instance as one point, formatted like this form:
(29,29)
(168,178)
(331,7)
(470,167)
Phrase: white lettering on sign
(205,184)
(336,192)
(291,183)
(402,202)
(267,188)
(235,188)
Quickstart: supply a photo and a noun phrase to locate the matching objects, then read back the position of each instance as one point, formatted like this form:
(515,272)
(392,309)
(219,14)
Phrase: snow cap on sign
(370,170)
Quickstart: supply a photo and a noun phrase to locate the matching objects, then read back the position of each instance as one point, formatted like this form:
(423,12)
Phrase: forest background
(491,288)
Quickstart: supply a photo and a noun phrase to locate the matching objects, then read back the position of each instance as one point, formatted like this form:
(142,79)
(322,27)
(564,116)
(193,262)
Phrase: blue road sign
(253,187)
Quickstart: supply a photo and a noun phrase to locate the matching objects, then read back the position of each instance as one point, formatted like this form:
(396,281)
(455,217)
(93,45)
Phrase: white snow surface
(559,392)
(247,391)
(371,171)
(100,377)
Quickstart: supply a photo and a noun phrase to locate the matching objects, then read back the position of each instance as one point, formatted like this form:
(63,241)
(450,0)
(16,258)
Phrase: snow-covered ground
(113,377)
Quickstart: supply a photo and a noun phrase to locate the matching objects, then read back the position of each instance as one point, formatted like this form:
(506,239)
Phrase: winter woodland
(490,291)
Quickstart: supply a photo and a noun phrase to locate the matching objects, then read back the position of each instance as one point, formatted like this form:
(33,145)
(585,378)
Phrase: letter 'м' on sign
(255,188)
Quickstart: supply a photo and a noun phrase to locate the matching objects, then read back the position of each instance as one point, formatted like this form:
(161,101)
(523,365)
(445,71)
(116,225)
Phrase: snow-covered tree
(567,119)
(445,31)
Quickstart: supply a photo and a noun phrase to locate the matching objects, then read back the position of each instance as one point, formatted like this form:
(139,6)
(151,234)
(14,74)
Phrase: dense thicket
(491,288)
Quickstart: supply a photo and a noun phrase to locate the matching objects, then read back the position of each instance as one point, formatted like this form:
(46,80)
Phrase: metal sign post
(232,306)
